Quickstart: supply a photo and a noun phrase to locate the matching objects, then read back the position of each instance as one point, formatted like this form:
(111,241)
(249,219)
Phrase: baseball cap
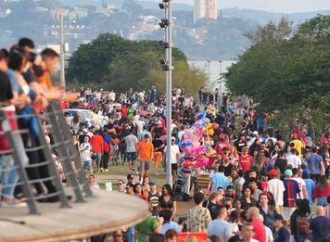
(152,184)
(272,173)
(288,173)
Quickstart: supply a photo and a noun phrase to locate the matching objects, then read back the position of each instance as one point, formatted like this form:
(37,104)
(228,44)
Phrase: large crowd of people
(261,187)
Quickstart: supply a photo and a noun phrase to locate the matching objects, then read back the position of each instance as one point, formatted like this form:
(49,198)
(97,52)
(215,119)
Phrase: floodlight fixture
(161,5)
(163,23)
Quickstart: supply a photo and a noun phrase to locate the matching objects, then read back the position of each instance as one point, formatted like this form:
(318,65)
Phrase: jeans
(130,234)
(8,176)
(322,201)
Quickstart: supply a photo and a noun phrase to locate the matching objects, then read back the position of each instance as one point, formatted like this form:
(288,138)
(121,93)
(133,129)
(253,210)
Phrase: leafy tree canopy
(120,64)
(283,70)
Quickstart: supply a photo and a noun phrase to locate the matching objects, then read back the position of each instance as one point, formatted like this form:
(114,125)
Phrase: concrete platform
(106,212)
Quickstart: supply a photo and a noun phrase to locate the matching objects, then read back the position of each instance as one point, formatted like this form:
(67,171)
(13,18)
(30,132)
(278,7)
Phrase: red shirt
(246,162)
(124,111)
(97,143)
(106,147)
(259,230)
(322,191)
(221,145)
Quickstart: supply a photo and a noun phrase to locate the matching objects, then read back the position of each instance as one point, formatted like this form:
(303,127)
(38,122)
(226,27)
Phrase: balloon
(202,122)
(201,161)
(201,115)
(185,144)
(199,150)
(187,163)
(210,132)
(212,152)
(215,126)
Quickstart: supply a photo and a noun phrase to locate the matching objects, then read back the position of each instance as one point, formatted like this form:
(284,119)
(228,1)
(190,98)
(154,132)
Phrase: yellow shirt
(298,145)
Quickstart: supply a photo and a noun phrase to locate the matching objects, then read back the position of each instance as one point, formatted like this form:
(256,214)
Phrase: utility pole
(169,179)
(166,64)
(62,51)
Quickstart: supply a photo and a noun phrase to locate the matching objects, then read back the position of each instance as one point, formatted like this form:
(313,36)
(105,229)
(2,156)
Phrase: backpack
(303,225)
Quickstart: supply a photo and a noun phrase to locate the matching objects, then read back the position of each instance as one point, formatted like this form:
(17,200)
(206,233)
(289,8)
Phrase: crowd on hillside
(261,187)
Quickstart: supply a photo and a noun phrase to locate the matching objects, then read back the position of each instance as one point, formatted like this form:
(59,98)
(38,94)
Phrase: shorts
(174,167)
(144,165)
(87,164)
(97,157)
(131,156)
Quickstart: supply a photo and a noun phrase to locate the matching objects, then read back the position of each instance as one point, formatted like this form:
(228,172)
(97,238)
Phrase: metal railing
(20,149)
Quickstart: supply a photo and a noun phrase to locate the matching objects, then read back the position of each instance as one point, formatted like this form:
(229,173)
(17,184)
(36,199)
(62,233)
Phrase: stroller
(181,186)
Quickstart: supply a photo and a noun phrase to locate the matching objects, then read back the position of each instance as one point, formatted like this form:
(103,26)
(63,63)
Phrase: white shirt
(112,96)
(276,187)
(85,155)
(293,160)
(269,235)
(174,152)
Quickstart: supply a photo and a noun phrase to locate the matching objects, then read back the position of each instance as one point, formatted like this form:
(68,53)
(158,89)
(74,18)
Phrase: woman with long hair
(166,200)
(267,210)
(322,191)
(247,200)
(299,220)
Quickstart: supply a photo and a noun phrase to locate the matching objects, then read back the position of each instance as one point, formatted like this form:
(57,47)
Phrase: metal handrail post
(72,151)
(63,153)
(17,156)
(52,168)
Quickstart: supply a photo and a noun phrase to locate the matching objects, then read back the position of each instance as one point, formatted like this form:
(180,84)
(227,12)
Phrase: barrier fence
(28,158)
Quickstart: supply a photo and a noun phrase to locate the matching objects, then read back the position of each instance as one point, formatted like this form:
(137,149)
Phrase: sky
(283,6)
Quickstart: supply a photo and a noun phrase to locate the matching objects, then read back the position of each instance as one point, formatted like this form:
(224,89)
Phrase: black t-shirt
(166,205)
(281,164)
(6,93)
(228,169)
(29,76)
(157,143)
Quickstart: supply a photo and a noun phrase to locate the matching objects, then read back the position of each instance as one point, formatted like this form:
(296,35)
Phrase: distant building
(214,71)
(205,9)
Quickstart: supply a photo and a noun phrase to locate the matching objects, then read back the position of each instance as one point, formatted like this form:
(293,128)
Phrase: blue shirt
(219,180)
(282,235)
(13,80)
(168,226)
(314,164)
(320,227)
(310,186)
(220,228)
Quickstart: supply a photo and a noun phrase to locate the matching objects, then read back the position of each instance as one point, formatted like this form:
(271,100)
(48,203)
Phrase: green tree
(115,63)
(288,75)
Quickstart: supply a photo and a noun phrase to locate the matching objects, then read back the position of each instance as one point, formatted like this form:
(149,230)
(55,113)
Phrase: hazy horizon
(281,6)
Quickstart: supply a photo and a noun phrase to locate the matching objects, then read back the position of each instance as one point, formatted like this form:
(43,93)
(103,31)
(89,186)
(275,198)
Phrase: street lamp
(166,65)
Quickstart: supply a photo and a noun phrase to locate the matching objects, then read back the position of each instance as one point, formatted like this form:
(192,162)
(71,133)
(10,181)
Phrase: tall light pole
(167,67)
(62,51)
(169,95)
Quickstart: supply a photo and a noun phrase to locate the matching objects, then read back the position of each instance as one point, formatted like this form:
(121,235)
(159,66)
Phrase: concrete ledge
(106,212)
